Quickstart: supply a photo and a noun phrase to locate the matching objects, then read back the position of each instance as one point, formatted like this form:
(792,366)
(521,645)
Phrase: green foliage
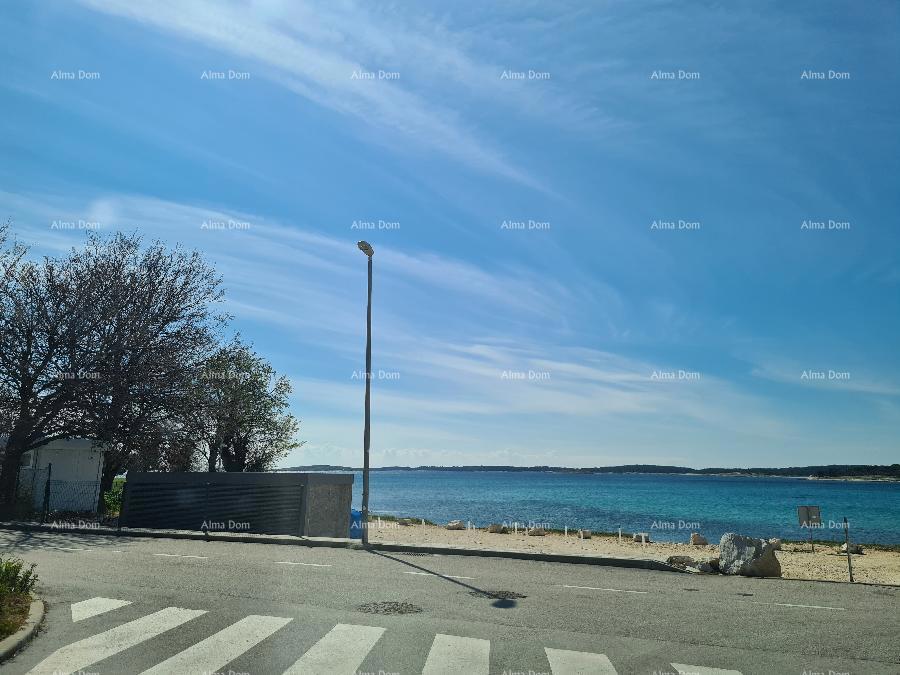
(112,498)
(15,578)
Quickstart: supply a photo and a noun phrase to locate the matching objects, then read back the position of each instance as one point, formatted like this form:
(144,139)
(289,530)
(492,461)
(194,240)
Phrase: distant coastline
(848,472)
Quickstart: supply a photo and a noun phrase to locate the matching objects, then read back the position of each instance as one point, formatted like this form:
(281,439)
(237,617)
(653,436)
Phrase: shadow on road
(498,602)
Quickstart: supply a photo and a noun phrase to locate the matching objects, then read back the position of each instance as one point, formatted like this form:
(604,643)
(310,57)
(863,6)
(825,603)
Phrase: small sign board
(809,516)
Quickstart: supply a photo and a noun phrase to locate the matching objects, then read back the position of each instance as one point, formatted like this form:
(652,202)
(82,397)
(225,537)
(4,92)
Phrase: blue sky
(595,306)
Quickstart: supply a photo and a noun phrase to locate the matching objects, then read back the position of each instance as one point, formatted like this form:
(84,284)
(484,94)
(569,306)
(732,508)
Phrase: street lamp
(366,248)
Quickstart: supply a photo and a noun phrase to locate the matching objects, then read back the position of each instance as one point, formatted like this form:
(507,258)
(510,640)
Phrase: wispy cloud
(309,52)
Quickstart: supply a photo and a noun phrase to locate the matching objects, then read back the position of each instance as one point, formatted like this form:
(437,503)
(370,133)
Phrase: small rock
(536,532)
(776,542)
(747,556)
(584,534)
(681,560)
(855,549)
(640,537)
(497,528)
(698,539)
(456,525)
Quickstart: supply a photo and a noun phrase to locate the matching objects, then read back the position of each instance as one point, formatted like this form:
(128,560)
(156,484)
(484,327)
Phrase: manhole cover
(497,595)
(389,608)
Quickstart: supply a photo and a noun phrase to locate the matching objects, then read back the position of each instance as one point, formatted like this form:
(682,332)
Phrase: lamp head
(366,248)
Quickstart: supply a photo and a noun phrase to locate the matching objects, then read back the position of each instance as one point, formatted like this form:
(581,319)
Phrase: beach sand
(797,562)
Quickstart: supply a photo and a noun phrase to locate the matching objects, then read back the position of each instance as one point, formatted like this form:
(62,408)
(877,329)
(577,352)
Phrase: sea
(667,506)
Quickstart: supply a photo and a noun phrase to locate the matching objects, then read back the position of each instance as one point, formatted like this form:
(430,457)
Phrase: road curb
(12,644)
(355,544)
(571,558)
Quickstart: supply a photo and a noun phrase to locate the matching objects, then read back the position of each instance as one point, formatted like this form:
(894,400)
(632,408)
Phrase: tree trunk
(8,473)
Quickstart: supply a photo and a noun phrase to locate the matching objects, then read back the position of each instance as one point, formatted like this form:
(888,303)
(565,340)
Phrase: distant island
(830,471)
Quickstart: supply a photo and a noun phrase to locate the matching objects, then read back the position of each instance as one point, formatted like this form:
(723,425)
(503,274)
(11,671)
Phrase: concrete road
(121,605)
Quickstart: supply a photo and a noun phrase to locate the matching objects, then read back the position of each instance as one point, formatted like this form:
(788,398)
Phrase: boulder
(681,561)
(584,534)
(855,549)
(747,556)
(698,539)
(456,525)
(710,566)
(640,537)
(776,542)
(496,528)
(536,532)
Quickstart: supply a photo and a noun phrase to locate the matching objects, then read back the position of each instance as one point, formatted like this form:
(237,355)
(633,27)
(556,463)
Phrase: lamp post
(366,248)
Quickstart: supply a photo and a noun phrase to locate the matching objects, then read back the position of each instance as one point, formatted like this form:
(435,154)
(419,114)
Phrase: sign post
(811,518)
(847,544)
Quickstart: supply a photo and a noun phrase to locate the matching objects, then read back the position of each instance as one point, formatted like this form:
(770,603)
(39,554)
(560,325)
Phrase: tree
(245,425)
(44,314)
(103,343)
(156,332)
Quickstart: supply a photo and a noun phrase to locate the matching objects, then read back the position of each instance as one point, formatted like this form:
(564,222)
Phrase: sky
(605,232)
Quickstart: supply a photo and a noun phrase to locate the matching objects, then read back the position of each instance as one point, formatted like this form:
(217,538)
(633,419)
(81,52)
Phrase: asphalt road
(123,605)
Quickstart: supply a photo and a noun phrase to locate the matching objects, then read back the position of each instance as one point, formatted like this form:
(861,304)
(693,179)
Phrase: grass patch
(13,612)
(16,584)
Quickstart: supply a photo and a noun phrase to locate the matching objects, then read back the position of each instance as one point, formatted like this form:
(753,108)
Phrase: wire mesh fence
(41,498)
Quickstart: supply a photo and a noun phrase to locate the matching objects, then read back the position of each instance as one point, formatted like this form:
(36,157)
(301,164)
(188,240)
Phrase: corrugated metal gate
(269,503)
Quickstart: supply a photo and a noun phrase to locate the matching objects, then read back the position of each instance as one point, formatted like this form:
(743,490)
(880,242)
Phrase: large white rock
(456,525)
(537,532)
(854,549)
(698,539)
(640,537)
(747,556)
(497,528)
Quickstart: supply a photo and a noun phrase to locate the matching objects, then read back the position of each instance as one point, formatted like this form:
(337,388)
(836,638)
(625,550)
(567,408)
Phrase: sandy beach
(797,562)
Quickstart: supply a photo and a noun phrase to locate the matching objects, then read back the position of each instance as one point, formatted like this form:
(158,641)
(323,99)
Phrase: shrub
(112,498)
(15,578)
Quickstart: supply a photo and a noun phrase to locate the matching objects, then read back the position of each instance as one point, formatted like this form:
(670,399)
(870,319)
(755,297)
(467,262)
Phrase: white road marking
(338,653)
(436,574)
(452,655)
(220,649)
(88,608)
(702,670)
(287,562)
(79,655)
(565,662)
(787,604)
(611,590)
(178,555)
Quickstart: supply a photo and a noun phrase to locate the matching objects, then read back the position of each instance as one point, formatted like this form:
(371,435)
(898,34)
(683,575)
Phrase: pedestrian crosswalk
(341,650)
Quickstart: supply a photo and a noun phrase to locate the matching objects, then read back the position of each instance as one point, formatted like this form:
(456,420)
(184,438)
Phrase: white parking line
(787,604)
(178,555)
(436,574)
(611,590)
(288,562)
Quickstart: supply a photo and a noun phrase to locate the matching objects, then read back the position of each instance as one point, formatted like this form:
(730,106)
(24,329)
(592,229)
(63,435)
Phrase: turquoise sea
(669,507)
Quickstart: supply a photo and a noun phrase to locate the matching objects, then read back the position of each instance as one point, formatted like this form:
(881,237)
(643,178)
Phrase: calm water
(669,507)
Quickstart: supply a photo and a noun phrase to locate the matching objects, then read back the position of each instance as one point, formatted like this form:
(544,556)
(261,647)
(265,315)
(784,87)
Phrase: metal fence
(41,497)
(272,503)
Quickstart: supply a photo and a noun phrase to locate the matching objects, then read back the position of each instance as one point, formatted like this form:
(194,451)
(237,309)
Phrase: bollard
(620,535)
(847,542)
